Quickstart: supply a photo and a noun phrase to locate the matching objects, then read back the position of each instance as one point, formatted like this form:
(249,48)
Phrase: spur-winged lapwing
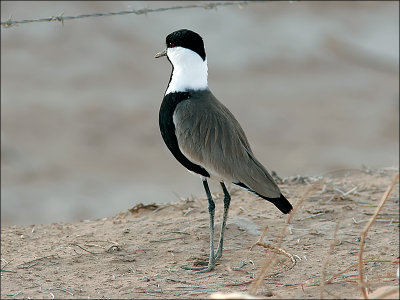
(204,136)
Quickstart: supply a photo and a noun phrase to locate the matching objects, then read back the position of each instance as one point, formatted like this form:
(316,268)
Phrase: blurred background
(314,85)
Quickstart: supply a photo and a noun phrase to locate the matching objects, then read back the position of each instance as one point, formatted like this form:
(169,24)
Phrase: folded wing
(210,136)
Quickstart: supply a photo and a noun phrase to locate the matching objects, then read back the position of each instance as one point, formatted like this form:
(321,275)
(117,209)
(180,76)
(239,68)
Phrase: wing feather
(210,136)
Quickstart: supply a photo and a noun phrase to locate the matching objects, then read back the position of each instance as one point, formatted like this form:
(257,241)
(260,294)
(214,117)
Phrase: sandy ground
(138,253)
(313,84)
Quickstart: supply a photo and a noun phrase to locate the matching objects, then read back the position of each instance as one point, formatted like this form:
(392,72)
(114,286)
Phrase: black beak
(161,53)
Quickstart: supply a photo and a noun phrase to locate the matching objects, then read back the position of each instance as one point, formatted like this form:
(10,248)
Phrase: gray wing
(210,136)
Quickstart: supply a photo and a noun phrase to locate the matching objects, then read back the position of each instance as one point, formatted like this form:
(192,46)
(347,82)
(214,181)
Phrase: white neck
(189,70)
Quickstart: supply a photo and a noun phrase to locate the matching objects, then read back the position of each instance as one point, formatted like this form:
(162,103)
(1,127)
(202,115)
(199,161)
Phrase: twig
(179,231)
(94,245)
(358,222)
(205,276)
(181,293)
(264,233)
(188,211)
(365,231)
(31,263)
(281,251)
(43,292)
(5,265)
(16,294)
(260,243)
(148,291)
(61,18)
(158,209)
(6,262)
(312,216)
(332,245)
(238,283)
(103,241)
(113,248)
(242,264)
(140,206)
(75,244)
(330,199)
(202,292)
(63,289)
(344,194)
(268,264)
(168,239)
(11,295)
(351,191)
(177,280)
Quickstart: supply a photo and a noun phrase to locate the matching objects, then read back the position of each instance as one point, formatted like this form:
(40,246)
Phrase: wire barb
(144,11)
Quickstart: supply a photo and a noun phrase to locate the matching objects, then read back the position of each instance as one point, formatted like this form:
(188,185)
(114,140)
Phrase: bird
(205,137)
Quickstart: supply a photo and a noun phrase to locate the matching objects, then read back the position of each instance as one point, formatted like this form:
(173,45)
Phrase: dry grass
(138,253)
(268,264)
(364,234)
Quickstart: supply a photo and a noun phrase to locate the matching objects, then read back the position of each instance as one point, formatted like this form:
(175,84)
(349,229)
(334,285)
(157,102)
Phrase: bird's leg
(227,202)
(211,210)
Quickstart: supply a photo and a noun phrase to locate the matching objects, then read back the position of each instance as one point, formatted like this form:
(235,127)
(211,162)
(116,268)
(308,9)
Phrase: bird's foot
(204,269)
(218,254)
(203,266)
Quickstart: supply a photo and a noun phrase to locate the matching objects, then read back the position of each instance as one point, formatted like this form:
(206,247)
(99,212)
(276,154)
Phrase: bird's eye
(171,45)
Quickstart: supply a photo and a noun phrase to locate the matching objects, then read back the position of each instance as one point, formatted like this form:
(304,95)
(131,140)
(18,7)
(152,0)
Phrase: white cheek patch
(189,70)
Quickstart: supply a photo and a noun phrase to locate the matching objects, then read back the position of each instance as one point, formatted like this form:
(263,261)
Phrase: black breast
(167,129)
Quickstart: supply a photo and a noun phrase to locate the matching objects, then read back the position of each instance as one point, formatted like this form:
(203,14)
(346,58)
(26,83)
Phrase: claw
(204,269)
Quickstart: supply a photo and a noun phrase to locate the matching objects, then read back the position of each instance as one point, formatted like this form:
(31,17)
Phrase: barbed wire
(144,11)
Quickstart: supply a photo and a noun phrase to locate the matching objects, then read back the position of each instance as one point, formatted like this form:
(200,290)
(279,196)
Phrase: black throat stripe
(167,129)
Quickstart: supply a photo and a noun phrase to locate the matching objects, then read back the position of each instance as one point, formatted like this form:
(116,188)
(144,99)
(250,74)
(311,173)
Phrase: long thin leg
(211,210)
(227,202)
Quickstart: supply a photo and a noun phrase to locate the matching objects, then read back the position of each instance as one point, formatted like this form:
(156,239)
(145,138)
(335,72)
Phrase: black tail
(281,203)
